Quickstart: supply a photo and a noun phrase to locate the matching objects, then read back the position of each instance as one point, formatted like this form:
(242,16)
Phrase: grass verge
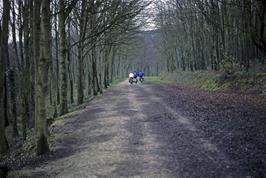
(251,83)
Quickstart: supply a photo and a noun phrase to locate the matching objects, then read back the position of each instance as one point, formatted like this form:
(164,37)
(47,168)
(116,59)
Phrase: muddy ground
(151,130)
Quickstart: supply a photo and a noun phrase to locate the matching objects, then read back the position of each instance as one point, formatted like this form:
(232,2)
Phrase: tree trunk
(80,75)
(42,81)
(13,97)
(89,77)
(82,30)
(25,71)
(32,66)
(94,72)
(36,51)
(57,56)
(112,66)
(69,60)
(62,58)
(3,57)
(12,75)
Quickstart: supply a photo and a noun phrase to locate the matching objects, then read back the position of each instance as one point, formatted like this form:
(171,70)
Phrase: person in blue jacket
(141,76)
(135,74)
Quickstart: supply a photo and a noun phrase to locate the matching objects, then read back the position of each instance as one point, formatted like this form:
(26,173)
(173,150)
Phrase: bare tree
(4,55)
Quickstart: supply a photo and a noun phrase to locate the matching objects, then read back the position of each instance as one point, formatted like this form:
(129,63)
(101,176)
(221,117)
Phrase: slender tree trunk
(112,66)
(3,57)
(13,98)
(89,77)
(25,73)
(106,67)
(62,58)
(12,75)
(105,77)
(70,76)
(82,29)
(80,75)
(54,76)
(32,66)
(42,81)
(94,71)
(57,55)
(69,63)
(36,52)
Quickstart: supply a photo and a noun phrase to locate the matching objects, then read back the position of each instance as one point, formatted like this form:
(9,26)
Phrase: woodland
(55,54)
(58,54)
(201,35)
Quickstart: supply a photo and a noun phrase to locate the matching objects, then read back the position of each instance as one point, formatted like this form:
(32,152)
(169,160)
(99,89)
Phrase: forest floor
(158,130)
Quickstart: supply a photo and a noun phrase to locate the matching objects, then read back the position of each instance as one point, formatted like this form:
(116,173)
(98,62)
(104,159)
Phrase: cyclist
(141,76)
(131,76)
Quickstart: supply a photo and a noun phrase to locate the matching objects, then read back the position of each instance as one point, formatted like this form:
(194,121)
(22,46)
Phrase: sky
(150,12)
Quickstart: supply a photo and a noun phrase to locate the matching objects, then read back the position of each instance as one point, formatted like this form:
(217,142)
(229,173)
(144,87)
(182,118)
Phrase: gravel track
(149,130)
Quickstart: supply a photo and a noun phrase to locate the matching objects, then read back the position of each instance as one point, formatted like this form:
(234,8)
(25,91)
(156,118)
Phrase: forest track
(149,130)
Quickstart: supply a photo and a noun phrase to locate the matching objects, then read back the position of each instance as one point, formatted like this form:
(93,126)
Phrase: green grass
(19,174)
(215,81)
(200,79)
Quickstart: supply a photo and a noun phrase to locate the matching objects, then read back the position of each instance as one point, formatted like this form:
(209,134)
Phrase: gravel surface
(149,130)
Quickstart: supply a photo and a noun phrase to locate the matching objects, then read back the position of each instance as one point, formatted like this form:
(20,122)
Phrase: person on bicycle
(130,78)
(135,74)
(141,76)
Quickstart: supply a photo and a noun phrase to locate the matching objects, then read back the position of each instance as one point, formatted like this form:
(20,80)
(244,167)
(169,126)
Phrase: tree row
(56,54)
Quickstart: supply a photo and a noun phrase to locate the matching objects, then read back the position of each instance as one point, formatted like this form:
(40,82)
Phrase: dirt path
(136,131)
